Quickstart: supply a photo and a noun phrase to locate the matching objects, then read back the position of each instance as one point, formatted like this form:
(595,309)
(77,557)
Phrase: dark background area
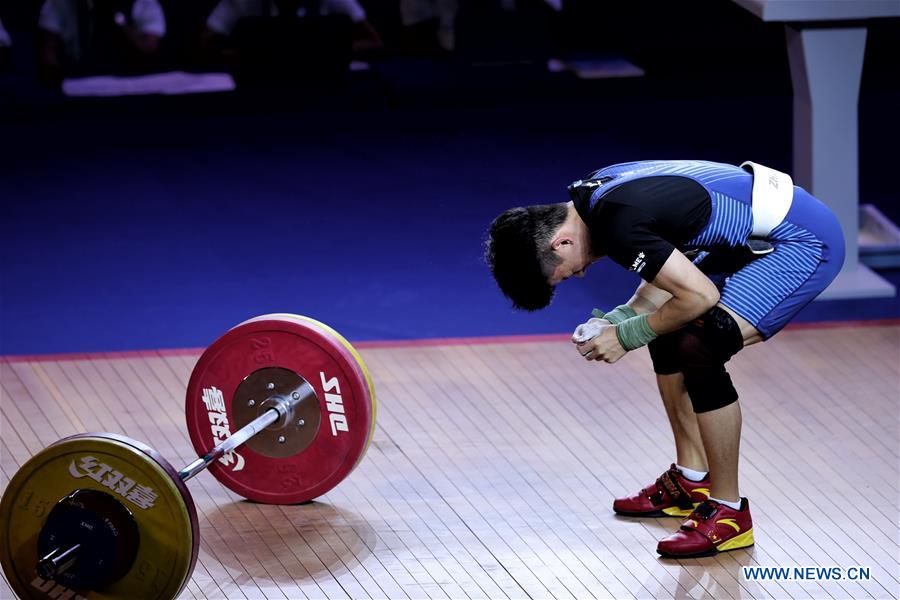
(153,222)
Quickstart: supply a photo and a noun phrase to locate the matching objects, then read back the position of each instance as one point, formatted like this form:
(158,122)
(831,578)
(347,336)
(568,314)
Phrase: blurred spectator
(429,23)
(5,44)
(98,35)
(224,18)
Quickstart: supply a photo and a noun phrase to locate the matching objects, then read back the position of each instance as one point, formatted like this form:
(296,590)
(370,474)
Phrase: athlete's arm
(692,294)
(648,298)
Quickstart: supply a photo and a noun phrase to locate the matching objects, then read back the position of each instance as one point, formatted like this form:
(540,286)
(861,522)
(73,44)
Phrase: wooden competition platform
(494,466)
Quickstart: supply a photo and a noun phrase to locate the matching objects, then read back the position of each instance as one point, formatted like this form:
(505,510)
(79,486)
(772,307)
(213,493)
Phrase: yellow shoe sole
(739,541)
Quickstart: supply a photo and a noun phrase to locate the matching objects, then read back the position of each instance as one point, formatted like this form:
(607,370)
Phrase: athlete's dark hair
(519,254)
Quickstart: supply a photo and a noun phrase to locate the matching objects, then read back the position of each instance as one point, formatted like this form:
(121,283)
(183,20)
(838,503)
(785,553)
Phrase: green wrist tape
(620,313)
(616,315)
(635,332)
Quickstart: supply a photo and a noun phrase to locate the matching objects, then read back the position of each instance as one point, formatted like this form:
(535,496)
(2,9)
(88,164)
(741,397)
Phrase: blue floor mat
(135,233)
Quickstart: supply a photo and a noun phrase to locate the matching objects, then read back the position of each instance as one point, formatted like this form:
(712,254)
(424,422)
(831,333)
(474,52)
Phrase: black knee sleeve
(710,388)
(703,348)
(664,354)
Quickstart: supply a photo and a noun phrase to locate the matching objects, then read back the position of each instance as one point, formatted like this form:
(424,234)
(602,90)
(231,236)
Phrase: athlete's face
(573,264)
(572,246)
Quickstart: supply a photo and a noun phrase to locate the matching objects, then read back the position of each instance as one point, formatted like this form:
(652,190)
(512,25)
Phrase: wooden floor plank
(493,469)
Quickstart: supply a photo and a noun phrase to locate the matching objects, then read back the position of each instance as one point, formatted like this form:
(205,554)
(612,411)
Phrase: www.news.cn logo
(758,573)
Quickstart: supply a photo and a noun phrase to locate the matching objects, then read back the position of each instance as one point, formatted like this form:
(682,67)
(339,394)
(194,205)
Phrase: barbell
(280,409)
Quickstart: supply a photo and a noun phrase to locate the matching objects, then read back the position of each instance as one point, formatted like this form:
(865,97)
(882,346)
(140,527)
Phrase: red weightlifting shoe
(672,495)
(710,529)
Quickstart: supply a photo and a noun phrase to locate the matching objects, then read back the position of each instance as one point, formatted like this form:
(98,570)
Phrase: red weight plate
(319,358)
(363,370)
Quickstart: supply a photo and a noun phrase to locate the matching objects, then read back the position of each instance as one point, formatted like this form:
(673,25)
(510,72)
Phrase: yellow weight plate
(134,475)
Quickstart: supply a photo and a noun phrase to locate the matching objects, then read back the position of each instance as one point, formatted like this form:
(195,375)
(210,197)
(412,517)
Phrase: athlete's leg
(672,493)
(750,333)
(670,382)
(689,450)
(702,348)
(705,345)
(720,430)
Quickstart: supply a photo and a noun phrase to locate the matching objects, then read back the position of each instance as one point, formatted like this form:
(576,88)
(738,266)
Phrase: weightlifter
(728,256)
